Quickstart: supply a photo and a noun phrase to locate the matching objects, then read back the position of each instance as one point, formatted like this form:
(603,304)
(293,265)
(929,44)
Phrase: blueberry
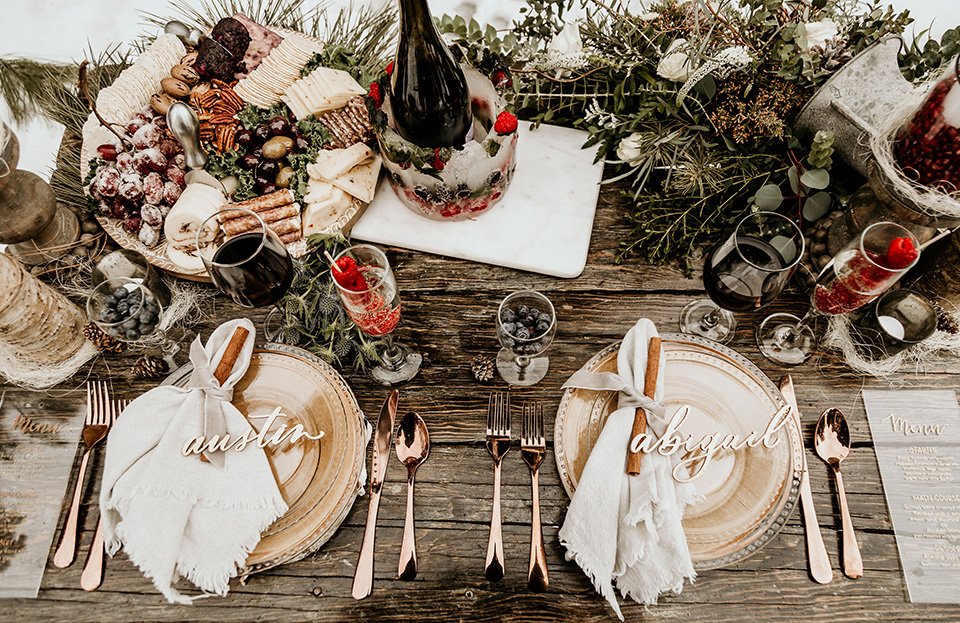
(534,313)
(533,349)
(542,327)
(135,295)
(509,327)
(545,318)
(113,332)
(150,301)
(109,301)
(132,334)
(523,310)
(508,315)
(148,317)
(508,342)
(522,333)
(129,323)
(123,308)
(152,307)
(528,322)
(120,293)
(147,328)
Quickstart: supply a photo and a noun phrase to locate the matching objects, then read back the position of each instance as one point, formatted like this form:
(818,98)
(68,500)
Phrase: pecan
(230,96)
(220,83)
(209,98)
(222,120)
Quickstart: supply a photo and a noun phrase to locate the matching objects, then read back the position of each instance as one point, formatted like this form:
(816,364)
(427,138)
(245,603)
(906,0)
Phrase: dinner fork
(533,447)
(92,575)
(94,429)
(498,443)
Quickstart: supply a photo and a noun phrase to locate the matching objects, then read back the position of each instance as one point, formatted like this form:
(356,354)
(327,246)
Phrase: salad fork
(533,447)
(92,575)
(498,443)
(94,429)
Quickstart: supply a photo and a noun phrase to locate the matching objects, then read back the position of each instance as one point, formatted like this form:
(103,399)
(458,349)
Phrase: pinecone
(945,321)
(482,368)
(102,341)
(148,367)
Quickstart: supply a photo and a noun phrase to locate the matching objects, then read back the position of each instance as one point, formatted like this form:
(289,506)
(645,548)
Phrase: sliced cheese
(322,214)
(361,180)
(189,262)
(319,190)
(333,163)
(196,203)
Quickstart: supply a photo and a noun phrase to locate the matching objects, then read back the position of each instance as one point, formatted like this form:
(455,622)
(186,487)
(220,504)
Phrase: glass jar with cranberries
(927,149)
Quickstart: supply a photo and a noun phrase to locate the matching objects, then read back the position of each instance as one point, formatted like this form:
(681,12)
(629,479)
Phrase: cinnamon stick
(230,355)
(640,417)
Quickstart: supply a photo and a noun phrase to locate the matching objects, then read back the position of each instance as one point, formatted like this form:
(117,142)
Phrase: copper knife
(817,560)
(363,577)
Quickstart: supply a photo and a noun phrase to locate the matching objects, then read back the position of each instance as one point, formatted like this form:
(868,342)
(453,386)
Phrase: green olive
(277,147)
(283,177)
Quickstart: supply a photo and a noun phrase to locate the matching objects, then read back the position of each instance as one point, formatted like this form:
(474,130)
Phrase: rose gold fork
(92,575)
(498,443)
(533,447)
(94,429)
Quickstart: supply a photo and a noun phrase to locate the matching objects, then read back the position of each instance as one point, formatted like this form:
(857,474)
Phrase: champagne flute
(126,310)
(368,291)
(863,269)
(245,259)
(746,271)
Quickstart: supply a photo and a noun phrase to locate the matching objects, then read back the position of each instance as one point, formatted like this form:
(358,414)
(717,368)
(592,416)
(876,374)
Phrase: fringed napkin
(627,529)
(176,515)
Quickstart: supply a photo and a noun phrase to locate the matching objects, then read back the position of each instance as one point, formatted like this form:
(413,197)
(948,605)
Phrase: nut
(190,58)
(161,102)
(176,88)
(185,73)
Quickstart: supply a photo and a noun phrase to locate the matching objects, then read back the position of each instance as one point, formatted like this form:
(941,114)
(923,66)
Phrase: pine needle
(21,84)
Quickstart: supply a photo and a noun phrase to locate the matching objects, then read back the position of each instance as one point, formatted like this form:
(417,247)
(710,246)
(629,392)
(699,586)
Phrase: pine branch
(22,81)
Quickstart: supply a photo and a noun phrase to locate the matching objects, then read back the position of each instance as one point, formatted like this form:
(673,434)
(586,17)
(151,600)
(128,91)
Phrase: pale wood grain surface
(449,307)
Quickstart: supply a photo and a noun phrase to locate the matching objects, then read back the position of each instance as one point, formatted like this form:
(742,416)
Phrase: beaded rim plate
(319,480)
(747,495)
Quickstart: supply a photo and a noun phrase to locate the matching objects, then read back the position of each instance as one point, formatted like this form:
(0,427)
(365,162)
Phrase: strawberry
(901,253)
(375,94)
(505,124)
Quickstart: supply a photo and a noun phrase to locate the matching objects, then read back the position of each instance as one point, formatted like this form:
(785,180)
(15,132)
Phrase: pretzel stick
(640,417)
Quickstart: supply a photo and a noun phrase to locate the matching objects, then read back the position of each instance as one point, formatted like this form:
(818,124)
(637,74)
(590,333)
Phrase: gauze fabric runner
(176,515)
(627,529)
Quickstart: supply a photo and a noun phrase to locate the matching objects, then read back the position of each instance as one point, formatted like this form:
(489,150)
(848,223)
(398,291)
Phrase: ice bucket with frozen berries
(447,183)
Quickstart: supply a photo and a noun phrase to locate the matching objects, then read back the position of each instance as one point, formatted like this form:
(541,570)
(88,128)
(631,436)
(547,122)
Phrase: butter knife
(817,559)
(363,578)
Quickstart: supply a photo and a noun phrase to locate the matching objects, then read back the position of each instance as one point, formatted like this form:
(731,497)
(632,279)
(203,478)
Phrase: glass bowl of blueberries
(124,309)
(526,326)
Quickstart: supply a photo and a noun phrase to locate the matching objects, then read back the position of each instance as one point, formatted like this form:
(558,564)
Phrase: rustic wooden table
(448,315)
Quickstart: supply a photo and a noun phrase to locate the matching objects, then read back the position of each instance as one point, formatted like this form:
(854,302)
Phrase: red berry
(375,94)
(901,253)
(506,123)
(389,68)
(107,151)
(437,163)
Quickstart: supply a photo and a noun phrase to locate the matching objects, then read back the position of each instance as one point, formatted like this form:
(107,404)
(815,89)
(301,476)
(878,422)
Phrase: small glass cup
(897,321)
(526,326)
(131,265)
(128,311)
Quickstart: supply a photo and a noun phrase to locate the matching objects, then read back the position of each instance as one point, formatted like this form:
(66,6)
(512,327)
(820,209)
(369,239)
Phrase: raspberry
(375,94)
(501,80)
(437,163)
(901,253)
(506,123)
(348,275)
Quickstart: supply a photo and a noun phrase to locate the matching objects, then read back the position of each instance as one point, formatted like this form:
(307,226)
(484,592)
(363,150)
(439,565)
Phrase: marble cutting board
(542,224)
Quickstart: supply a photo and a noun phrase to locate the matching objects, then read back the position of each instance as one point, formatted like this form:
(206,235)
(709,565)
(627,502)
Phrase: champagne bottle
(428,91)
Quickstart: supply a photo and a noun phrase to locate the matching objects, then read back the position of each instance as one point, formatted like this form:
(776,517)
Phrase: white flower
(565,51)
(675,64)
(818,33)
(629,149)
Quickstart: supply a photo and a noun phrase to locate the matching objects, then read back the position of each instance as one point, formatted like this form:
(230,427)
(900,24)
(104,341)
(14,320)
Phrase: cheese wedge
(332,163)
(319,216)
(361,180)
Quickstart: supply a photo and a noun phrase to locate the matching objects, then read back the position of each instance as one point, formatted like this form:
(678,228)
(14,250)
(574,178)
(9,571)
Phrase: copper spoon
(413,446)
(832,442)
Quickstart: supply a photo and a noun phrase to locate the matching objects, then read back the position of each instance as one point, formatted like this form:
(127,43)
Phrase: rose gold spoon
(832,442)
(413,446)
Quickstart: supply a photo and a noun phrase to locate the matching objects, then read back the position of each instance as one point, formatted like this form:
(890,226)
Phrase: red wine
(428,92)
(745,275)
(257,276)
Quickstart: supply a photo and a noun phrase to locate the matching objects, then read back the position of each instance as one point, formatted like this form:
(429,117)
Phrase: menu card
(917,437)
(37,449)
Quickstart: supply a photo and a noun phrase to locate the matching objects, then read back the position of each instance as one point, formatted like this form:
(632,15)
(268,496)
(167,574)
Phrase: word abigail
(702,451)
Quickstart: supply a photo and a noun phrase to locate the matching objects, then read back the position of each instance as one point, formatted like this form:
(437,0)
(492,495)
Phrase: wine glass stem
(791,334)
(392,354)
(710,320)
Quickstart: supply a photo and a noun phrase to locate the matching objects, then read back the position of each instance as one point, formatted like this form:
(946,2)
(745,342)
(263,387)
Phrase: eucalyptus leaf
(794,179)
(816,206)
(769,197)
(815,178)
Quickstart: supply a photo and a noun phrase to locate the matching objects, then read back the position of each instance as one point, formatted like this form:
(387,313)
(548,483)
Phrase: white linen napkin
(627,529)
(176,515)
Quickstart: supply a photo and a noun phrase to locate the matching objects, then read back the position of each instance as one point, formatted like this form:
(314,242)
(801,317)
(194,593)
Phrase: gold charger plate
(747,495)
(318,479)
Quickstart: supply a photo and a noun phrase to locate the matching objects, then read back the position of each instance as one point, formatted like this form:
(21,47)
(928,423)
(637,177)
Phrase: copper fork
(92,575)
(498,443)
(94,429)
(533,447)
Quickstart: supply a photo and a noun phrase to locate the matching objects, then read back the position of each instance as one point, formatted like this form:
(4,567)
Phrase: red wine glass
(245,259)
(863,269)
(747,271)
(368,291)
